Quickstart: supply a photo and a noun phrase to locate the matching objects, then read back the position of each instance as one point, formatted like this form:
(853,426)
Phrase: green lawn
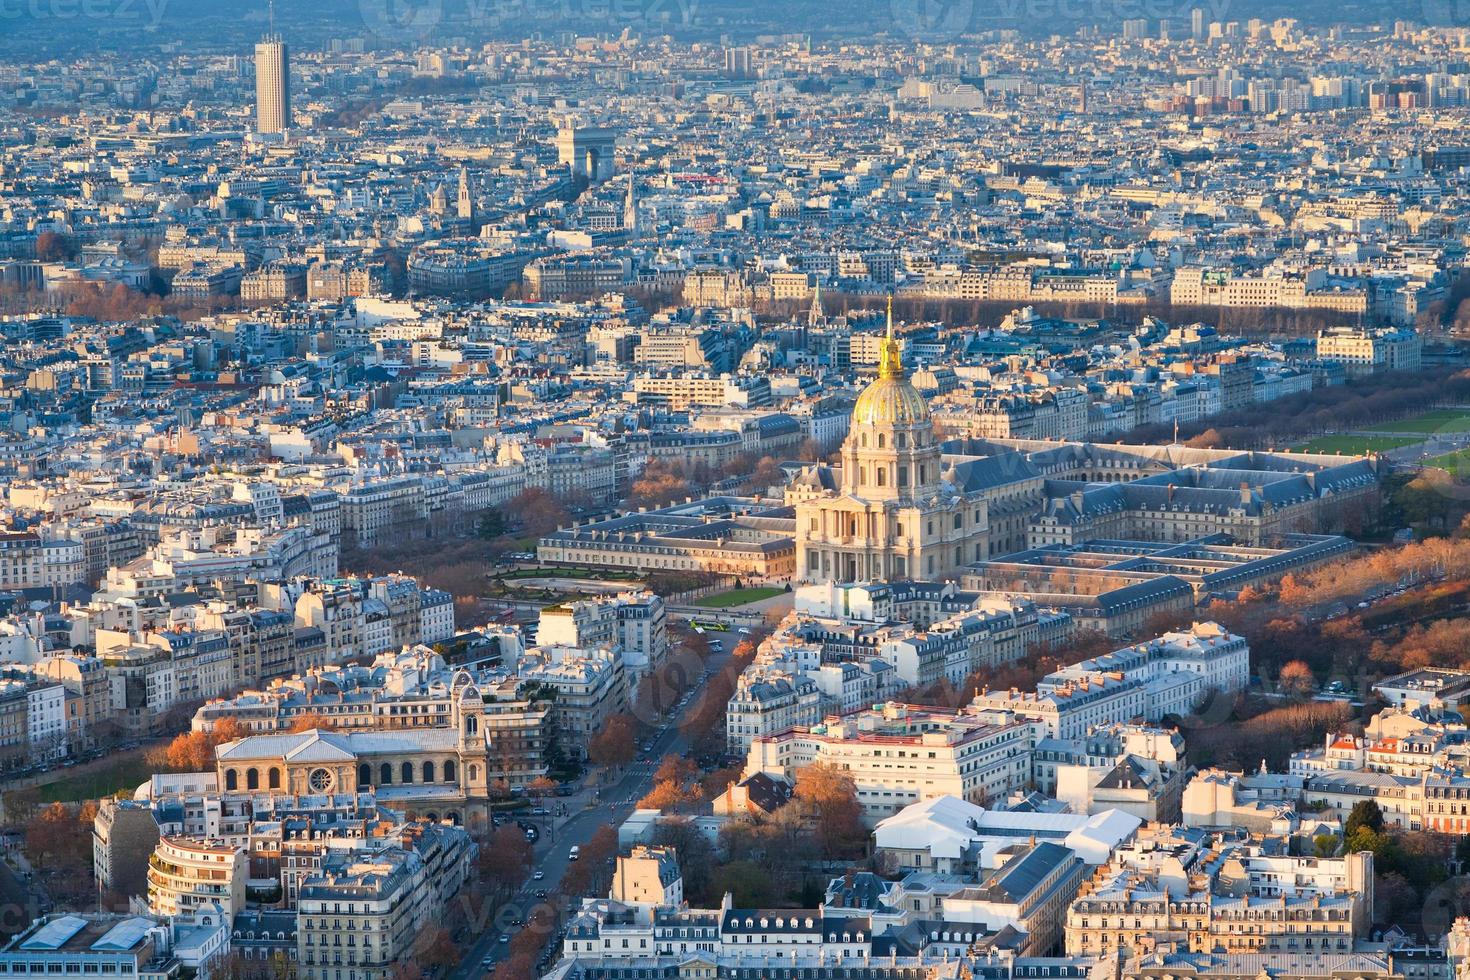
(1456,463)
(122,772)
(597,574)
(1357,445)
(1439,420)
(736,597)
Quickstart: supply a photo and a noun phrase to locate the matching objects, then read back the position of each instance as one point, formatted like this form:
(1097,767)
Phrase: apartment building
(898,754)
(188,875)
(1230,902)
(124,835)
(107,944)
(768,702)
(681,392)
(1366,351)
(362,914)
(634,625)
(1290,289)
(590,688)
(1029,893)
(1070,707)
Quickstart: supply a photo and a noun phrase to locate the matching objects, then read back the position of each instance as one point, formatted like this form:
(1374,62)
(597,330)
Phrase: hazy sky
(35,30)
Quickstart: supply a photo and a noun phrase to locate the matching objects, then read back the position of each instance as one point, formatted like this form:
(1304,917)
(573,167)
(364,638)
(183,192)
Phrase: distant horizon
(216,27)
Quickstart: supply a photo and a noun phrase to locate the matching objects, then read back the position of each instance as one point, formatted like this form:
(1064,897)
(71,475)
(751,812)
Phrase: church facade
(449,772)
(890,514)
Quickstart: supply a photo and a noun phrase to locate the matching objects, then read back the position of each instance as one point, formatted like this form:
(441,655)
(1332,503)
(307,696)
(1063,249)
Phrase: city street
(593,807)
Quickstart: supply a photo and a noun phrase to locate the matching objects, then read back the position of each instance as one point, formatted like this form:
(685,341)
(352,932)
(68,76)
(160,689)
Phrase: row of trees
(1251,733)
(592,874)
(1384,569)
(616,744)
(1362,405)
(666,481)
(703,725)
(1300,636)
(1277,321)
(766,862)
(194,751)
(454,558)
(678,784)
(58,843)
(111,302)
(1409,865)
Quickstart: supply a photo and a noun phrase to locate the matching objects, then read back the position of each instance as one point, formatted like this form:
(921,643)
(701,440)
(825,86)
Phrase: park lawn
(123,772)
(1457,463)
(1356,445)
(736,597)
(1439,420)
(591,574)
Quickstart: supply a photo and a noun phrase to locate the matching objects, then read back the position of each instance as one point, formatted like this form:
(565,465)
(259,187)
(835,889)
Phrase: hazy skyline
(38,30)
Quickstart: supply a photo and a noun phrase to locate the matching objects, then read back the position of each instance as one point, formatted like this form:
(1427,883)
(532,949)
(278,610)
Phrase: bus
(717,627)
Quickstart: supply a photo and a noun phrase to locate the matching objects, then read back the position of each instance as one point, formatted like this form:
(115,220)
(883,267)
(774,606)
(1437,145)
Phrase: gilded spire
(890,361)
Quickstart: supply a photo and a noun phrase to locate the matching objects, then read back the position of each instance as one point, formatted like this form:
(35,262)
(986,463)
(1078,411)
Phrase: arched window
(407,772)
(385,775)
(232,780)
(882,441)
(273,778)
(902,441)
(882,474)
(364,775)
(428,772)
(959,520)
(449,773)
(474,772)
(252,779)
(471,725)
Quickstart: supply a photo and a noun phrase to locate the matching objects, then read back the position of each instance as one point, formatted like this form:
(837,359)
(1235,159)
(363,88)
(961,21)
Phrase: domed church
(892,515)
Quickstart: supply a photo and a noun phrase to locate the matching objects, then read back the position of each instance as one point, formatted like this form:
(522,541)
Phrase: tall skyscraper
(1197,23)
(272,85)
(738,63)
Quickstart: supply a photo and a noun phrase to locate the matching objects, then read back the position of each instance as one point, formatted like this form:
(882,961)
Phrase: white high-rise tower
(272,85)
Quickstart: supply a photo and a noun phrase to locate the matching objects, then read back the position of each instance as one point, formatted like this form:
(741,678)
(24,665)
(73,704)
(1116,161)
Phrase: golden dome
(891,399)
